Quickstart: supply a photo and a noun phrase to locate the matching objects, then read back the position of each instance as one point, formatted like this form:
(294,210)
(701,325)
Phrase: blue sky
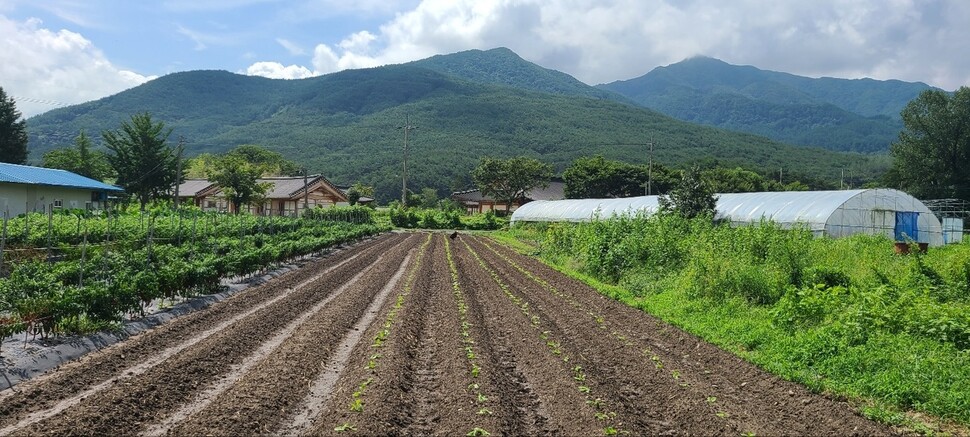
(71,51)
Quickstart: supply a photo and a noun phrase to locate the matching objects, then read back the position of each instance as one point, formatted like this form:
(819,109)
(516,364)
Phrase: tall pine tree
(147,167)
(13,132)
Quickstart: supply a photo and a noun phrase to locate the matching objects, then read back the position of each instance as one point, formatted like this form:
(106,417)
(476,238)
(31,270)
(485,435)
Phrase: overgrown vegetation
(845,316)
(418,218)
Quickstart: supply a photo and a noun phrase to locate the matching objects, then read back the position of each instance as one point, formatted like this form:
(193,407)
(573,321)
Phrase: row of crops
(68,273)
(840,315)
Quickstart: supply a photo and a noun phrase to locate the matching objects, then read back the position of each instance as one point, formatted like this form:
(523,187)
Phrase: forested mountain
(501,66)
(839,114)
(346,126)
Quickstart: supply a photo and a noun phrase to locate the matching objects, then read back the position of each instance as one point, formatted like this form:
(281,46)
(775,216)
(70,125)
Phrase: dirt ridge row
(163,387)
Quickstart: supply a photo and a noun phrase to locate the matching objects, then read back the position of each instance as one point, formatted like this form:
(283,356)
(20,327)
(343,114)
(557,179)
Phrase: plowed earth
(419,334)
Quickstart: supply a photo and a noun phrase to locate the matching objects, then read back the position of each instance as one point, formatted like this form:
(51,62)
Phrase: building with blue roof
(36,189)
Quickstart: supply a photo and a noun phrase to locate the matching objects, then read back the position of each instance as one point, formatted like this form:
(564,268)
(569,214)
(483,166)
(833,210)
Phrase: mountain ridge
(345,125)
(839,114)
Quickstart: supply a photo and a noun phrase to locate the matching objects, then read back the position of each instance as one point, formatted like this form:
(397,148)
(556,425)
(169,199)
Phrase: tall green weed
(831,313)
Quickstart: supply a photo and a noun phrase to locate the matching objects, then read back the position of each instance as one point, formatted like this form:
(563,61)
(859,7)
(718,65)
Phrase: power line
(40,101)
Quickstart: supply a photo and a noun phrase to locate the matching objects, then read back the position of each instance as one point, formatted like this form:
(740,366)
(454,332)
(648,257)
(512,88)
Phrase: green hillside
(345,125)
(501,66)
(851,115)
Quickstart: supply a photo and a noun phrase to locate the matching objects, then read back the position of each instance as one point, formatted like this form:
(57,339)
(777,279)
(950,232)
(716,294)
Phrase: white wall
(20,198)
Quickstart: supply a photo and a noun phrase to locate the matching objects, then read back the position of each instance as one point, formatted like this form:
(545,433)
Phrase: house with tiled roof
(476,202)
(24,188)
(285,196)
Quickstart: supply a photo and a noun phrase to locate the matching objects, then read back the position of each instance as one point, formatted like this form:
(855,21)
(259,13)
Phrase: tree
(13,132)
(931,157)
(80,159)
(237,179)
(509,179)
(147,167)
(738,180)
(429,198)
(692,197)
(596,177)
(271,163)
(357,191)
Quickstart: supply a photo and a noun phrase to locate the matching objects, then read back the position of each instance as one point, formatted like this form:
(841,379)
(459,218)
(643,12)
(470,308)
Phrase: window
(58,203)
(210,204)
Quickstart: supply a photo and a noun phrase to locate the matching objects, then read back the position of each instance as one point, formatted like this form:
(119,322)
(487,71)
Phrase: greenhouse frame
(887,212)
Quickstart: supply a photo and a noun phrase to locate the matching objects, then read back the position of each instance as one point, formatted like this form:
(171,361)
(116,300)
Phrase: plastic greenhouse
(892,213)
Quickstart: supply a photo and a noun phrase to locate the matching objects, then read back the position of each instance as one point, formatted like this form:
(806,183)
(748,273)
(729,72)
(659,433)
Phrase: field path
(419,334)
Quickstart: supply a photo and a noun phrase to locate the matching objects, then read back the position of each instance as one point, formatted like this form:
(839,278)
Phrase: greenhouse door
(906,228)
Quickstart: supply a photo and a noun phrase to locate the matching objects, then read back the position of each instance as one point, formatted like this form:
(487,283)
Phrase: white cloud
(359,41)
(275,70)
(600,41)
(291,47)
(39,67)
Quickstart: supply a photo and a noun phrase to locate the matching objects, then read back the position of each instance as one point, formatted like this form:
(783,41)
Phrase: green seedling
(484,412)
(675,374)
(357,405)
(584,389)
(609,430)
(711,399)
(482,398)
(722,414)
(595,403)
(475,371)
(345,427)
(478,432)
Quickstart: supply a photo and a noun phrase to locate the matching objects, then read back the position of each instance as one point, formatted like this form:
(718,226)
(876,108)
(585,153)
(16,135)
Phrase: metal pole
(650,173)
(404,175)
(3,239)
(178,171)
(306,192)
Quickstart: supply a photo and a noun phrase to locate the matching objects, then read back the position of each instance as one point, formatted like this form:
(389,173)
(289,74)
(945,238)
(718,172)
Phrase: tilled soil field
(419,334)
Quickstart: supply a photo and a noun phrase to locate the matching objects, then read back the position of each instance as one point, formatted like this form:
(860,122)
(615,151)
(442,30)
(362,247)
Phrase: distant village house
(476,202)
(285,197)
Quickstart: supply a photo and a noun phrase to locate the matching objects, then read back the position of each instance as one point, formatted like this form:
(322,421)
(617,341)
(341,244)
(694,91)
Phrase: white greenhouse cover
(831,213)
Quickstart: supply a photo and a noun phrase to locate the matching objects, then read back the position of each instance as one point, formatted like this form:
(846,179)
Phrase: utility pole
(404,175)
(178,171)
(650,172)
(306,191)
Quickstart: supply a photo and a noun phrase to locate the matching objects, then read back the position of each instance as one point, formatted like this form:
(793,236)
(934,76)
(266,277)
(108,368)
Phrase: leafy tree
(271,163)
(80,159)
(200,166)
(237,179)
(13,132)
(429,198)
(596,177)
(931,157)
(692,197)
(359,190)
(509,179)
(738,180)
(147,167)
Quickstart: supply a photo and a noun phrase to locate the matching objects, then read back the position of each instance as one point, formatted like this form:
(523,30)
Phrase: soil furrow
(545,396)
(743,397)
(124,359)
(157,392)
(153,361)
(376,371)
(262,398)
(322,387)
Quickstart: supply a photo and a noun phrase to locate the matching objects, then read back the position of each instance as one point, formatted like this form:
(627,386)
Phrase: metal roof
(25,174)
